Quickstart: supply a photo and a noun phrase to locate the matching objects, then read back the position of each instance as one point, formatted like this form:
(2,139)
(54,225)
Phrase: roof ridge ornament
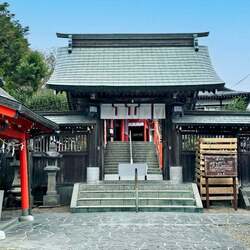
(70,44)
(196,43)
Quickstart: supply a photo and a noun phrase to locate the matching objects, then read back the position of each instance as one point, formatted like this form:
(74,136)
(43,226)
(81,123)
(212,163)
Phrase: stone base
(2,235)
(92,175)
(154,177)
(176,176)
(51,200)
(111,177)
(23,218)
(1,201)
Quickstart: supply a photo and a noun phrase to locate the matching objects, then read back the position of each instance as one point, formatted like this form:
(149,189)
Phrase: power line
(241,80)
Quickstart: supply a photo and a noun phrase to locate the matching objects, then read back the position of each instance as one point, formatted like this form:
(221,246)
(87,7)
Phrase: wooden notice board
(221,166)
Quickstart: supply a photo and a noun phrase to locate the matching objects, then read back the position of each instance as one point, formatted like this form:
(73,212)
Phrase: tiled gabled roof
(133,67)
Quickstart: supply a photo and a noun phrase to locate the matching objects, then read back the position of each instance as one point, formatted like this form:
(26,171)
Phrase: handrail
(130,148)
(136,190)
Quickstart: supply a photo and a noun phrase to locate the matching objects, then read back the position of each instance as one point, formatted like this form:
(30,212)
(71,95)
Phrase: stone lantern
(52,198)
(16,184)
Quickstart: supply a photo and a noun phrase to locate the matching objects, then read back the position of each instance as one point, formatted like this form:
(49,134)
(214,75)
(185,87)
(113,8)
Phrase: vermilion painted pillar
(145,130)
(155,131)
(122,130)
(24,181)
(126,130)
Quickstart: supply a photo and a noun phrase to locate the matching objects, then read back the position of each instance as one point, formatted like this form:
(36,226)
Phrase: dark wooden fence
(73,164)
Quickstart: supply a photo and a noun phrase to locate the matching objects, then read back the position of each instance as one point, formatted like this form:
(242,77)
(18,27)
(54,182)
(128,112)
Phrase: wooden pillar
(176,150)
(165,164)
(145,130)
(155,122)
(92,151)
(148,131)
(100,148)
(167,143)
(24,180)
(122,130)
(126,130)
(105,132)
(112,128)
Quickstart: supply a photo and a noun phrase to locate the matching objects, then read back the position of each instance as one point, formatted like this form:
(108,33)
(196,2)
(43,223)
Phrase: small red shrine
(17,122)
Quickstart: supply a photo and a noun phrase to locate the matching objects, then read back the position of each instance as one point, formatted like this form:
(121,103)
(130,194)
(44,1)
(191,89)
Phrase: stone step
(121,196)
(144,150)
(108,208)
(108,187)
(129,208)
(116,152)
(106,202)
(118,148)
(114,166)
(116,163)
(107,171)
(131,194)
(114,159)
(166,201)
(115,169)
(142,201)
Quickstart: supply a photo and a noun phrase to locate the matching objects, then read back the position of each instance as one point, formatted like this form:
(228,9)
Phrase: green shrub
(46,100)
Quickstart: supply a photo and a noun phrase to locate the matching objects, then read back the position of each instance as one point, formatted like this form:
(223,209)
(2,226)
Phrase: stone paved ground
(118,231)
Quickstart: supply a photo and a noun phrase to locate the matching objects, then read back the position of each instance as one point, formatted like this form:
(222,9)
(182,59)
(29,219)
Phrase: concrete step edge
(134,198)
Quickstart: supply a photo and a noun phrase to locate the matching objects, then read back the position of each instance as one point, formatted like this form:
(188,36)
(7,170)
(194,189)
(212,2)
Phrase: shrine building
(138,106)
(134,84)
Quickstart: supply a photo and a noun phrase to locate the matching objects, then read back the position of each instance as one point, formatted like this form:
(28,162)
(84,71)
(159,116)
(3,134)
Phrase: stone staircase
(118,152)
(115,153)
(145,152)
(110,196)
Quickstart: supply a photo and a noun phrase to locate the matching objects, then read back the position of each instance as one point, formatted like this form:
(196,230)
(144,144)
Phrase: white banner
(133,111)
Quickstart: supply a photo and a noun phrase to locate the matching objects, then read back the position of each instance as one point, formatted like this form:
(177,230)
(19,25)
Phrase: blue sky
(227,20)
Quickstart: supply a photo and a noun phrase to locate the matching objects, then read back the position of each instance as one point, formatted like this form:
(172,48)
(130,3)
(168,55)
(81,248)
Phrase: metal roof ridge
(118,36)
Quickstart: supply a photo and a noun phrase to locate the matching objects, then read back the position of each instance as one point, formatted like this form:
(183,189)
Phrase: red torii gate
(19,122)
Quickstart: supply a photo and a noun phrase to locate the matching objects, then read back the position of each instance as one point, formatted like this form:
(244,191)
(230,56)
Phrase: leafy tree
(237,104)
(13,44)
(25,71)
(22,69)
(31,71)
